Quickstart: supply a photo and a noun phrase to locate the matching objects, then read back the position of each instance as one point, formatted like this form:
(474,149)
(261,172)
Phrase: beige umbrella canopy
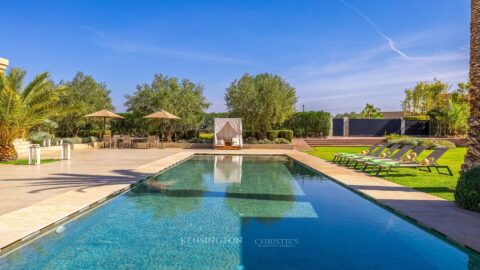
(161,115)
(104,114)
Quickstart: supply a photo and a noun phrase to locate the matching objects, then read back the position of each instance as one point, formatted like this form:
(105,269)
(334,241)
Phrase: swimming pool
(240,212)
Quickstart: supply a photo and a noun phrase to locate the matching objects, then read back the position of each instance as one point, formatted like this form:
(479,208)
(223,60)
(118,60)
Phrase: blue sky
(337,54)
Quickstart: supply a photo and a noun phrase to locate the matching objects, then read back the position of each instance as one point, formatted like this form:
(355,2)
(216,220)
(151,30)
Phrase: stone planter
(78,146)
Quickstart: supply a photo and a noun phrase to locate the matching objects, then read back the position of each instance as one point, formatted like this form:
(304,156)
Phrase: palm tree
(22,108)
(472,159)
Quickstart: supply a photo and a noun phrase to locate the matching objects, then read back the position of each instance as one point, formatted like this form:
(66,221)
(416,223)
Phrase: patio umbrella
(161,115)
(104,114)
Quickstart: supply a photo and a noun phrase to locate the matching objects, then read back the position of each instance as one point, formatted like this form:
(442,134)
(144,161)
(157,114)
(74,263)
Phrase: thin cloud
(127,47)
(389,40)
(374,77)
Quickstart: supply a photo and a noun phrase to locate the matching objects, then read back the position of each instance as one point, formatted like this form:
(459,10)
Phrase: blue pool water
(234,212)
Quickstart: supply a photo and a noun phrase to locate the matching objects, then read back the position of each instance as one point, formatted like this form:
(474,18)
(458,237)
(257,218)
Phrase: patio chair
(151,140)
(126,140)
(429,162)
(339,156)
(374,153)
(393,156)
(107,140)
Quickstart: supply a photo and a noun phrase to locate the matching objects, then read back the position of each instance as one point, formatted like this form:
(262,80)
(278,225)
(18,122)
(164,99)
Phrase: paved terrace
(21,186)
(35,198)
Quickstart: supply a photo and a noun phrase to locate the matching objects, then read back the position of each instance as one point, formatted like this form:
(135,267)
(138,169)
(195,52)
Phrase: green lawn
(25,161)
(436,184)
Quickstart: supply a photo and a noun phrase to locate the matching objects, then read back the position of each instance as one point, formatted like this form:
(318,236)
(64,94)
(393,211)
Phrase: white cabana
(227,169)
(228,133)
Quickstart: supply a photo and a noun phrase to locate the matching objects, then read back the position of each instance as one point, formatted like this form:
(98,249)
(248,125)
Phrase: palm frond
(20,109)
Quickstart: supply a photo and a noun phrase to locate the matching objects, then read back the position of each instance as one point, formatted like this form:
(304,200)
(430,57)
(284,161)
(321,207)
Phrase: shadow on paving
(80,181)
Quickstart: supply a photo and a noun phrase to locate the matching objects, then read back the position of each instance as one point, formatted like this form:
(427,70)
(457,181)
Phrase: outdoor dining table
(136,140)
(117,139)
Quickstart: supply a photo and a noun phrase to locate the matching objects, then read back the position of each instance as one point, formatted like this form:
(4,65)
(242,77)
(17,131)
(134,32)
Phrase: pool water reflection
(240,212)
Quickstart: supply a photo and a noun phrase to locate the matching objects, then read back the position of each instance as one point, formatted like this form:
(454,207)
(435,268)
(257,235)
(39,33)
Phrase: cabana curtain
(227,169)
(227,129)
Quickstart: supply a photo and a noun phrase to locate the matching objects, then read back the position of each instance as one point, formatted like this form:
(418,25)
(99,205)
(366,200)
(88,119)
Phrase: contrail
(390,41)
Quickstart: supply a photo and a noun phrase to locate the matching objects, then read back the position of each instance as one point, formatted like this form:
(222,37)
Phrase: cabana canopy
(227,169)
(228,133)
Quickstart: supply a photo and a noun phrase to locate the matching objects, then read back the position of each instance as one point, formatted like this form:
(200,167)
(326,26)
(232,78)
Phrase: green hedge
(272,135)
(286,134)
(309,124)
(413,141)
(417,118)
(467,193)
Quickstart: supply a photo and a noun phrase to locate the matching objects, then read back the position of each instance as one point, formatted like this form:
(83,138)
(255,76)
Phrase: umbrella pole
(104,123)
(161,134)
(103,134)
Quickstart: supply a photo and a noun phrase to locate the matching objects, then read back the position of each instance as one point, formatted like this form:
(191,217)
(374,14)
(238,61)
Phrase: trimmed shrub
(417,118)
(309,124)
(264,141)
(467,193)
(285,134)
(205,136)
(196,140)
(91,132)
(272,134)
(429,143)
(73,140)
(281,141)
(249,134)
(444,143)
(89,139)
(38,137)
(250,140)
(189,134)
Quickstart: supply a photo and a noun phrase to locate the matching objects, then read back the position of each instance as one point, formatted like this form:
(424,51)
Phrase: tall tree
(83,95)
(21,108)
(472,158)
(351,115)
(261,101)
(183,98)
(424,97)
(371,112)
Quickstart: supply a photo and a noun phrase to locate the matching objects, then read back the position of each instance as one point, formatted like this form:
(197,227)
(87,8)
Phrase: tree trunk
(472,159)
(8,153)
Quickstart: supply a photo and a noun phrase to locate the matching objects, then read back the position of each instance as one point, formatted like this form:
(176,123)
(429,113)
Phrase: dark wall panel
(419,128)
(374,127)
(337,127)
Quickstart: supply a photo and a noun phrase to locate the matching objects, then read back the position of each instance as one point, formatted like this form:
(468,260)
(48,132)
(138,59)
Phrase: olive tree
(83,95)
(182,98)
(261,101)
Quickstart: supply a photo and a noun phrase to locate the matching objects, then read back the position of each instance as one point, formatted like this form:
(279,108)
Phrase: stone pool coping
(458,225)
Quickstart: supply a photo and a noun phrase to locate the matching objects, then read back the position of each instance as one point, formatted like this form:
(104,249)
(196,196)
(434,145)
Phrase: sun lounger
(411,157)
(394,156)
(339,156)
(383,155)
(375,153)
(429,162)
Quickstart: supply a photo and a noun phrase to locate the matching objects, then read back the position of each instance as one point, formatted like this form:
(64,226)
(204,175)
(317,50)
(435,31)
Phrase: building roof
(392,115)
